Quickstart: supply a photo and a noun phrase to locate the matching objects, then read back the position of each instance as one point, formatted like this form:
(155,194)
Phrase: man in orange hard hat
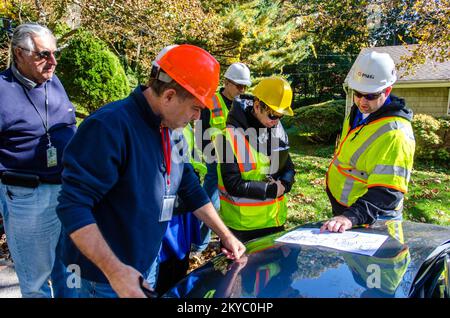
(122,173)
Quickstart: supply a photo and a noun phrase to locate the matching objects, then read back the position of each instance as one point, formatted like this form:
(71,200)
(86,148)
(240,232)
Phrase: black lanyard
(44,121)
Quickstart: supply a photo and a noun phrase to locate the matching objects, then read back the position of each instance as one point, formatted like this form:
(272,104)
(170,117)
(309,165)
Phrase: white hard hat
(155,68)
(372,72)
(239,74)
(162,53)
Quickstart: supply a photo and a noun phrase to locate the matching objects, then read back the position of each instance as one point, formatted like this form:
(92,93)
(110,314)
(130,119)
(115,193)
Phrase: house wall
(430,101)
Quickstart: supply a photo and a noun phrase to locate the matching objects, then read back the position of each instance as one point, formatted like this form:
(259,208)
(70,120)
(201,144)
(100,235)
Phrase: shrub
(92,75)
(432,137)
(321,122)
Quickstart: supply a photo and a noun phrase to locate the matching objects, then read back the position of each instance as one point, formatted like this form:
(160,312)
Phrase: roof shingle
(429,71)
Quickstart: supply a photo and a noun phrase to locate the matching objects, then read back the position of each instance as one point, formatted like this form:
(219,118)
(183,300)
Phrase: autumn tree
(392,22)
(432,31)
(260,34)
(338,30)
(136,30)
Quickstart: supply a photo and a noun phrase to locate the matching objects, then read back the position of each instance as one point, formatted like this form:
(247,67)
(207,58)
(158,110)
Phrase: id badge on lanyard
(168,199)
(167,208)
(52,158)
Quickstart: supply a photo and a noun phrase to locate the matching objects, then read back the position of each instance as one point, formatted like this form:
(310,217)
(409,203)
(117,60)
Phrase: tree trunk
(42,13)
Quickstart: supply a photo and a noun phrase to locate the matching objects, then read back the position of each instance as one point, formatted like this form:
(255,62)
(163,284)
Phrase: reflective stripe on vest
(382,130)
(241,213)
(244,156)
(352,175)
(392,170)
(219,113)
(217,110)
(195,155)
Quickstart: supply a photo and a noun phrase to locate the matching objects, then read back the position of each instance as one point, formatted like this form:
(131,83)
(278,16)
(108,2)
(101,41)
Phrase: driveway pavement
(9,284)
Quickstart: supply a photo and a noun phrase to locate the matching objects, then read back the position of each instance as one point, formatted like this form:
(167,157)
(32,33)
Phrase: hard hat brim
(241,82)
(285,111)
(364,88)
(207,102)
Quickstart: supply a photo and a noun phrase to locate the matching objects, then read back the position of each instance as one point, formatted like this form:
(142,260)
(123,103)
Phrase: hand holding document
(349,241)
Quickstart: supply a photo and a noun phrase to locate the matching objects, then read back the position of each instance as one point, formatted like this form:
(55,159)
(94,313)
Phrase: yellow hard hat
(276,93)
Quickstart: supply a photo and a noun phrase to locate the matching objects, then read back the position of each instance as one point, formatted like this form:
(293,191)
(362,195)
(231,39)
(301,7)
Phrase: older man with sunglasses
(37,121)
(371,168)
(256,170)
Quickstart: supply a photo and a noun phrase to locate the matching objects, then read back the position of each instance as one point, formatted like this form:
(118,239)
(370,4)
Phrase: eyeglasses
(368,96)
(240,87)
(270,113)
(44,54)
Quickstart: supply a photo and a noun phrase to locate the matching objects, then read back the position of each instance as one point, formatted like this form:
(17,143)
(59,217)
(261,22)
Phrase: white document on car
(349,241)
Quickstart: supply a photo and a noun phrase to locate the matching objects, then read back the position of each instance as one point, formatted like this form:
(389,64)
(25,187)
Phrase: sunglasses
(368,96)
(44,54)
(239,86)
(270,113)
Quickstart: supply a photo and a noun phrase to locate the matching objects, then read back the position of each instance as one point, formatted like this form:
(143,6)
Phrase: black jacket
(377,200)
(241,116)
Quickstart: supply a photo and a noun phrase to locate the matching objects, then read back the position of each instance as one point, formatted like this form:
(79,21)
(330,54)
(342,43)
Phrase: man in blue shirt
(122,173)
(36,122)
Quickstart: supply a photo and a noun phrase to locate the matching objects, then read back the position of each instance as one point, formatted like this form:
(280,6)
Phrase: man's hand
(124,279)
(337,224)
(239,264)
(125,283)
(233,248)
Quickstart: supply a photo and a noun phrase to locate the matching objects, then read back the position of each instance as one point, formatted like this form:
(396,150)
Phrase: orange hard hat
(194,69)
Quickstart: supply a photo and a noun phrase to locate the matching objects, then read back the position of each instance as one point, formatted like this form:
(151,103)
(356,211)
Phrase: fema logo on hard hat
(361,74)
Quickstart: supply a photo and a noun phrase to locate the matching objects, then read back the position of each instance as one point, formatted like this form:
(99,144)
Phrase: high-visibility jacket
(377,154)
(219,114)
(241,213)
(196,157)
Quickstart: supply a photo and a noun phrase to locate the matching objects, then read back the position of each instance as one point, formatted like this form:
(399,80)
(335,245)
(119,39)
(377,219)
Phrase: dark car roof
(274,269)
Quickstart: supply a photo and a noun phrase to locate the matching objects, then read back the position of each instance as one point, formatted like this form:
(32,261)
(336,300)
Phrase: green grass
(428,199)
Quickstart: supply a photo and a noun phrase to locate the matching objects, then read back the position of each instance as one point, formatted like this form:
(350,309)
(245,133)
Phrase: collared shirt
(29,84)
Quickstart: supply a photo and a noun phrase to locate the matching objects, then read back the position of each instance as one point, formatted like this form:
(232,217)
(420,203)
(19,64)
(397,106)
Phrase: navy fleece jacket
(114,176)
(23,141)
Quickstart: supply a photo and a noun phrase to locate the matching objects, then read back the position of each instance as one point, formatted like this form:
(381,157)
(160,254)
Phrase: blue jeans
(210,185)
(90,289)
(33,229)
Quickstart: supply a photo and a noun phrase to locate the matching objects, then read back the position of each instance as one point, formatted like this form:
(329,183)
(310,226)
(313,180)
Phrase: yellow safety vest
(219,114)
(379,154)
(196,158)
(241,213)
